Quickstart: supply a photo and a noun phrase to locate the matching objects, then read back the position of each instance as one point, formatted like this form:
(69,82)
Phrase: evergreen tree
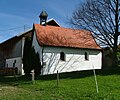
(30,58)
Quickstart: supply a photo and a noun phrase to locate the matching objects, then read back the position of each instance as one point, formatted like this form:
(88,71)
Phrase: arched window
(86,56)
(62,56)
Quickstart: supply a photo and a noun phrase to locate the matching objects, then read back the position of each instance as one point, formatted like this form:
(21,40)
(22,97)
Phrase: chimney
(43,18)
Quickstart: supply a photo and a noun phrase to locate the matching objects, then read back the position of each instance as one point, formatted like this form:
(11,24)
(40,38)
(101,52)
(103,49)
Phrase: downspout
(22,46)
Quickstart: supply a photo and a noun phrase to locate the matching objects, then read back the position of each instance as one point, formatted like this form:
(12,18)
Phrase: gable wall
(37,48)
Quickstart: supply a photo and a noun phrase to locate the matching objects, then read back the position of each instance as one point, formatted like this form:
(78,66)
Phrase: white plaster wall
(36,46)
(18,64)
(75,60)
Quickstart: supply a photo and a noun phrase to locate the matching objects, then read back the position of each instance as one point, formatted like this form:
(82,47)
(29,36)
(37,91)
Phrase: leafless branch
(98,16)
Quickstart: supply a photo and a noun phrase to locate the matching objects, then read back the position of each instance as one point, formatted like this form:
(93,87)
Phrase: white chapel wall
(75,60)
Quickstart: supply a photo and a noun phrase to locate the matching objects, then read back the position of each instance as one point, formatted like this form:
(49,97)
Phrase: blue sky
(15,14)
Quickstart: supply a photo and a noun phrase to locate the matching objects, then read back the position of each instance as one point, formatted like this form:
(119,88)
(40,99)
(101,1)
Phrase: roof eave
(100,49)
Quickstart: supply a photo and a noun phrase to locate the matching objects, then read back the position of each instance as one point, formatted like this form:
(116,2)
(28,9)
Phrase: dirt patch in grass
(4,90)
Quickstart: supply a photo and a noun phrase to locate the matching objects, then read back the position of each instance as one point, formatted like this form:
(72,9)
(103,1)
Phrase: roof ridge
(64,28)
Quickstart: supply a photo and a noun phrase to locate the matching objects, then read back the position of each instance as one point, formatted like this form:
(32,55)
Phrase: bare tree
(102,17)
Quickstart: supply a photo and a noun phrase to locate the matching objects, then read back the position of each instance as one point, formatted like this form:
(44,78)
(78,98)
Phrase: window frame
(86,56)
(62,56)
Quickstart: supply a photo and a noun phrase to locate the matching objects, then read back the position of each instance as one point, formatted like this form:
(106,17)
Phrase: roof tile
(65,37)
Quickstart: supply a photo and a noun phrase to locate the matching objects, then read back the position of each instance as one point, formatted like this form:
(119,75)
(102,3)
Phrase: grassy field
(72,86)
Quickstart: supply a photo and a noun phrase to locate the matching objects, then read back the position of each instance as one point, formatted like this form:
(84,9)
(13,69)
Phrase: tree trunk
(115,60)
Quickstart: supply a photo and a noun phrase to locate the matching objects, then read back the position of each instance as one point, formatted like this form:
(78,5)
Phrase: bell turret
(43,18)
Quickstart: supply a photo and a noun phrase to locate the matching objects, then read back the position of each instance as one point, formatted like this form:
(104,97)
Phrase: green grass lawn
(72,86)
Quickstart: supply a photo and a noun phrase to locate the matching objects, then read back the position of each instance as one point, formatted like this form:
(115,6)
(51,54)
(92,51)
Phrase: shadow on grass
(15,81)
(81,74)
(11,80)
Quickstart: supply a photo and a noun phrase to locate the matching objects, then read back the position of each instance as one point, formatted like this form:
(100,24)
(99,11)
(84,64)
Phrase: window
(62,56)
(86,56)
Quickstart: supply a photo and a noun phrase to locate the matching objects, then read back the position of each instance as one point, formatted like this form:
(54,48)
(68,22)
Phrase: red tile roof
(64,37)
